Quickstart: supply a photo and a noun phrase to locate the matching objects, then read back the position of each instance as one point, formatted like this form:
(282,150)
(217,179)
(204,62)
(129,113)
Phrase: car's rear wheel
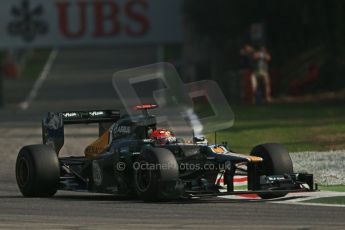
(37,171)
(156,175)
(276,161)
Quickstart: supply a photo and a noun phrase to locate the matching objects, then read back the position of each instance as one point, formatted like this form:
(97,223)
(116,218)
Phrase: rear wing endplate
(53,124)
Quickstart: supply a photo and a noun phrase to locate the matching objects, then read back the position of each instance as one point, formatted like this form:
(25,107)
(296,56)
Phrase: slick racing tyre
(37,171)
(276,161)
(156,175)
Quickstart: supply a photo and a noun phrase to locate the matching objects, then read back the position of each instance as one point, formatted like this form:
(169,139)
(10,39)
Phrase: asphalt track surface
(68,210)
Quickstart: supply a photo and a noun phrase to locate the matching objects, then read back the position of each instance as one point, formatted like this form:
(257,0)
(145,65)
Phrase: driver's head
(162,136)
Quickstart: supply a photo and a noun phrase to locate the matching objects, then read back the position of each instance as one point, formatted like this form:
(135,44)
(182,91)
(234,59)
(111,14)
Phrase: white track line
(296,198)
(312,204)
(311,196)
(39,82)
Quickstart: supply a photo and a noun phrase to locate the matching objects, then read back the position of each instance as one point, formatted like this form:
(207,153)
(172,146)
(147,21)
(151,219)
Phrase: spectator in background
(261,58)
(247,57)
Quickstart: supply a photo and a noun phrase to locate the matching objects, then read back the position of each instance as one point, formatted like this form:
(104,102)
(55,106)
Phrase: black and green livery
(133,165)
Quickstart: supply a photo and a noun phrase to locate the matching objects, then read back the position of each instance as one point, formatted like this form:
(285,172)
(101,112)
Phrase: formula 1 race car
(126,160)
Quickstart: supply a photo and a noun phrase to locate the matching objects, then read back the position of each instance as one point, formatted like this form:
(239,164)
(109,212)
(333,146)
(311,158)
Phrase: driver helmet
(162,136)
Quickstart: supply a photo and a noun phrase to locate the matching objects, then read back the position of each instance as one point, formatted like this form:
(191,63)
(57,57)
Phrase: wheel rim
(23,172)
(143,178)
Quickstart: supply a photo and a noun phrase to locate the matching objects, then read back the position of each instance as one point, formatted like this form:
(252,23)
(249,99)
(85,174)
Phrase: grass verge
(241,187)
(332,188)
(298,126)
(327,200)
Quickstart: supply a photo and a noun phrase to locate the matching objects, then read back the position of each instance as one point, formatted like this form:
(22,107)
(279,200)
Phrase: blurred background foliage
(297,33)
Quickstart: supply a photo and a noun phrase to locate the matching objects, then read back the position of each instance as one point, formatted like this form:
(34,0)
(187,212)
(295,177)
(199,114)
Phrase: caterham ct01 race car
(132,157)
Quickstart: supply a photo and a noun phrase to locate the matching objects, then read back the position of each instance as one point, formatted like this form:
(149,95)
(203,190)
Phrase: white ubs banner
(41,23)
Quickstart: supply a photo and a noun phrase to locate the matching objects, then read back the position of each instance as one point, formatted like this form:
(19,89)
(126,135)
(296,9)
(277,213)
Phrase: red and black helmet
(162,136)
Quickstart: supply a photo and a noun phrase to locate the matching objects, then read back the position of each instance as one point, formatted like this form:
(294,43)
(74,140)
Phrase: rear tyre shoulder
(37,171)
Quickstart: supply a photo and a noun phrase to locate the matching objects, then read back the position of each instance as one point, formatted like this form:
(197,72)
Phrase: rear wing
(53,124)
(86,117)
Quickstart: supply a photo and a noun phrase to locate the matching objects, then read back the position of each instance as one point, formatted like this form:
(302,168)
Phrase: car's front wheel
(156,175)
(276,161)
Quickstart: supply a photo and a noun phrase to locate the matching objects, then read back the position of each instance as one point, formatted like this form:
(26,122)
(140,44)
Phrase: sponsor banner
(89,22)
